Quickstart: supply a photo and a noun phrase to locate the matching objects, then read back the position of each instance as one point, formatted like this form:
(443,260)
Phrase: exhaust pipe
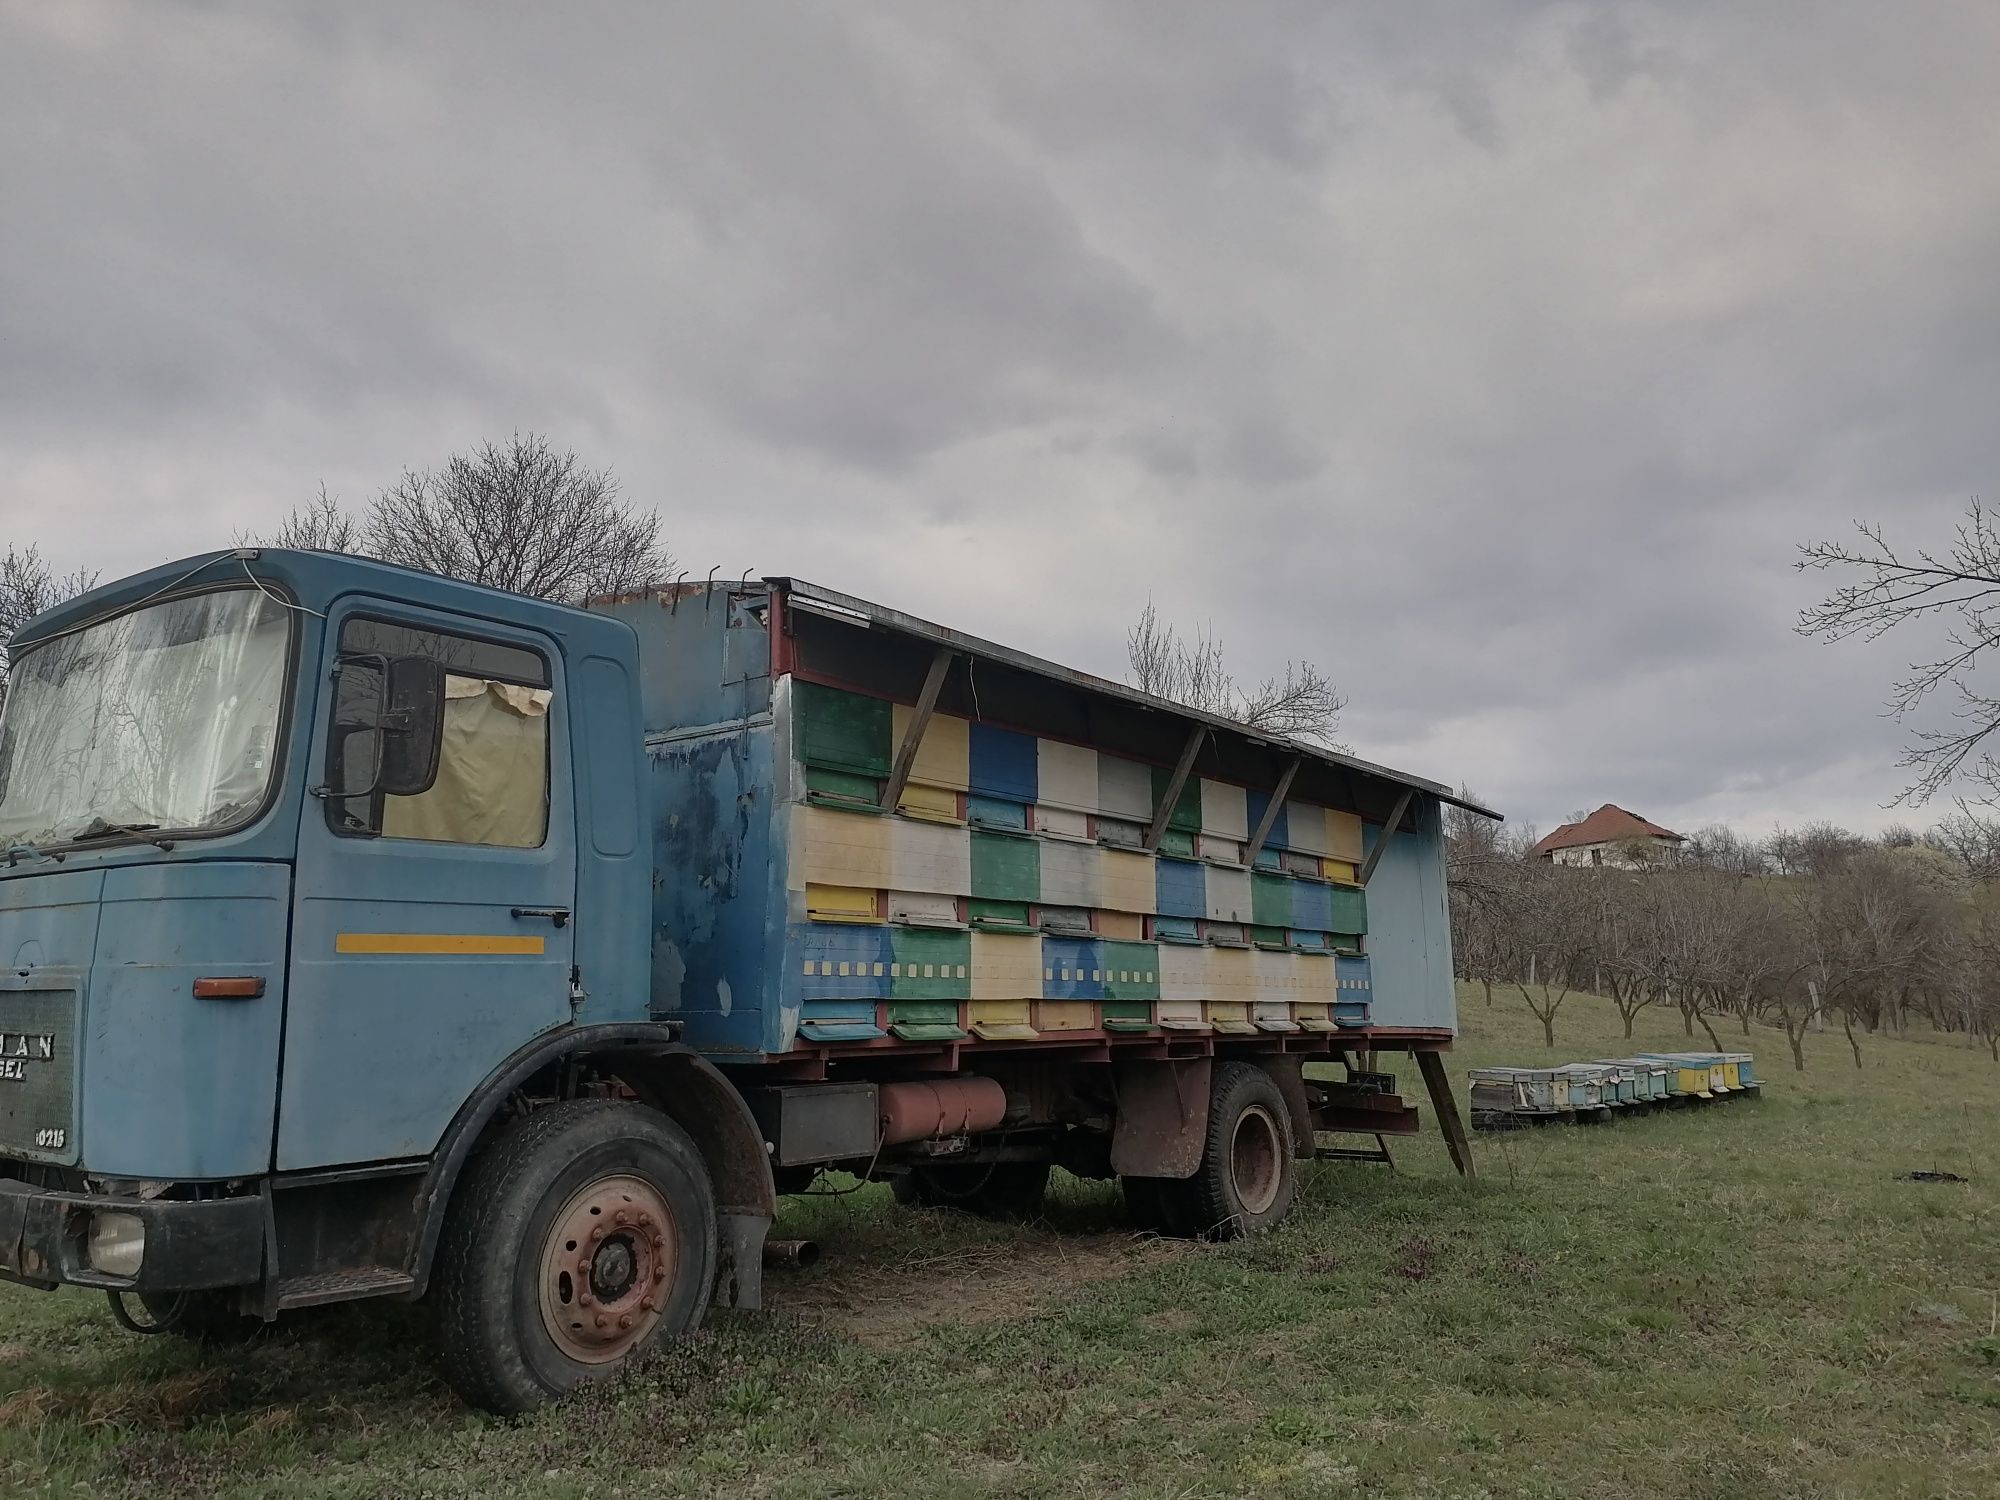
(800,1253)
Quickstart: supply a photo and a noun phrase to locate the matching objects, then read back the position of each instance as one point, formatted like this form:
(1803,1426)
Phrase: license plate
(37,1073)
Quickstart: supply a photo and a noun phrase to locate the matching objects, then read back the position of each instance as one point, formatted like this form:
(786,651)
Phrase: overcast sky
(1494,357)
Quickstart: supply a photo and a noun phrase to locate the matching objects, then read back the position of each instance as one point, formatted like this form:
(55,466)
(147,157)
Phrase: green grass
(1736,1300)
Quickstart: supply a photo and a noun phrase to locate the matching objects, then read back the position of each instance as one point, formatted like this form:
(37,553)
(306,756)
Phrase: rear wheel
(1245,1182)
(582,1236)
(996,1190)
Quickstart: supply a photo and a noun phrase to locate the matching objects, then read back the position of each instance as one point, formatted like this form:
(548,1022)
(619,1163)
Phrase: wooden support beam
(906,753)
(1395,821)
(1271,811)
(1456,1141)
(1164,813)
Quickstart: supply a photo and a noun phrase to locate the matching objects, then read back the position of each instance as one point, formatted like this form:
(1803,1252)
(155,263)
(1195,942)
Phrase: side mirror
(412,726)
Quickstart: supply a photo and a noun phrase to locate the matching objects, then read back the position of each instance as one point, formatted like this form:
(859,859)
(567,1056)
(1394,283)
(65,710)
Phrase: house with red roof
(1611,837)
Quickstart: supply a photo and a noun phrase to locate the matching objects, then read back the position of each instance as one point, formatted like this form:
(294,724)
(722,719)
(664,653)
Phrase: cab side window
(492,782)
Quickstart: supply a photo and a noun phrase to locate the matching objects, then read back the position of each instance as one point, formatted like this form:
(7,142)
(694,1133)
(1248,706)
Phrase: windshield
(163,718)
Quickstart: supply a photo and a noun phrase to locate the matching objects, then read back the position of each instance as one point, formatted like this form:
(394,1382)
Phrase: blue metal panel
(424,1026)
(1072,968)
(179,1087)
(719,905)
(1409,938)
(1254,803)
(1003,763)
(1181,888)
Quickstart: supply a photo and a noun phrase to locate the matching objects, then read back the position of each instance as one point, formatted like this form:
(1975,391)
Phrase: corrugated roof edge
(895,619)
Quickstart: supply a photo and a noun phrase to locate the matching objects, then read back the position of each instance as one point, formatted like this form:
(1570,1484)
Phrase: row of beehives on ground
(1592,1090)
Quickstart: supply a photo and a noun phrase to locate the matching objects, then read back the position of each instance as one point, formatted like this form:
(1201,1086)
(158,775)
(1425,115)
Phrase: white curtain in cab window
(493,770)
(165,717)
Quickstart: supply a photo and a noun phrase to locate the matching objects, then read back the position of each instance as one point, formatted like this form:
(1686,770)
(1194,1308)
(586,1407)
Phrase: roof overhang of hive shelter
(821,640)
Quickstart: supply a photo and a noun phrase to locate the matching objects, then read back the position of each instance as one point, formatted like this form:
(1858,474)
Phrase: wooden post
(1395,821)
(920,720)
(1271,810)
(1456,1141)
(1164,813)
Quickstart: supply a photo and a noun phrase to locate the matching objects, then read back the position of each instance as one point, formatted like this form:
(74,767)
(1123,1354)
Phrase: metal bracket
(1163,814)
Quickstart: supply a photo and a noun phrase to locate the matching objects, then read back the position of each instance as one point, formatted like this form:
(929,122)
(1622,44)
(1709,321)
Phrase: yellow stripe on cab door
(434,942)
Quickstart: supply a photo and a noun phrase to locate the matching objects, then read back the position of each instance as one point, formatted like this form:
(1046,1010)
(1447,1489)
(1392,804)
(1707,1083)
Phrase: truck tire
(1244,1183)
(996,1190)
(580,1237)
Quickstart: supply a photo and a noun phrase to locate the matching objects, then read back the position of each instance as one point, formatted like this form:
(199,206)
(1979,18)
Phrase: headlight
(117,1243)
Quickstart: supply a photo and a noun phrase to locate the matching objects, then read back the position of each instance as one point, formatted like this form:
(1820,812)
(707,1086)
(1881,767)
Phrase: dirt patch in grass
(887,1305)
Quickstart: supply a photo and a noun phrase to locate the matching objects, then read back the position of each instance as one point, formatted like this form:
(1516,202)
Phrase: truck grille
(38,1074)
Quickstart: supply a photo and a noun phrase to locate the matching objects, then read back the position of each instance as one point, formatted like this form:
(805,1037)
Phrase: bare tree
(520,515)
(29,586)
(320,525)
(1303,703)
(1959,587)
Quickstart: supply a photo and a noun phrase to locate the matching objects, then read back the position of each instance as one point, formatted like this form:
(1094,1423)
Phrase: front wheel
(579,1238)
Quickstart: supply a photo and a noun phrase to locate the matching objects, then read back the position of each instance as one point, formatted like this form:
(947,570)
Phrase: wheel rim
(1256,1159)
(606,1269)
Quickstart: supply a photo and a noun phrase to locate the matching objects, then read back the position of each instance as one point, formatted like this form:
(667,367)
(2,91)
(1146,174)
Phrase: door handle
(558,915)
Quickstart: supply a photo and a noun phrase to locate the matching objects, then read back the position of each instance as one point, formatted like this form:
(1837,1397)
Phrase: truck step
(342,1286)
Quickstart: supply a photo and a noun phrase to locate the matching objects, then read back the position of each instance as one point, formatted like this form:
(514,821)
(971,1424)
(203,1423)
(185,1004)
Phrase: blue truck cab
(368,933)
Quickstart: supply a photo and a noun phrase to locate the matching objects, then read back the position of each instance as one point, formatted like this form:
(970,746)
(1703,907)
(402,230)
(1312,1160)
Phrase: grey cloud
(1493,357)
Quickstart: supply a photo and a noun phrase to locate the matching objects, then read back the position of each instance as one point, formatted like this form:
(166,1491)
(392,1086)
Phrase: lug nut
(620,1217)
(626,1321)
(584,1298)
(597,1233)
(644,1220)
(602,1321)
(647,1304)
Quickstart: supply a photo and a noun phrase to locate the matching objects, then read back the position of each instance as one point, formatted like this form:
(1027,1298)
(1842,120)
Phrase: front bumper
(190,1246)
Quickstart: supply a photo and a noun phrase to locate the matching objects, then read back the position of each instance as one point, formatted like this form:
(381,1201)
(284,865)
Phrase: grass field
(1738,1300)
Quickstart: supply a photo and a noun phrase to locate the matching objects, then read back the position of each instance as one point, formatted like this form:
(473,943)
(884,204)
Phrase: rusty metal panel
(1162,1123)
(943,755)
(1066,775)
(1070,872)
(836,847)
(1228,894)
(1006,966)
(929,857)
(1125,788)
